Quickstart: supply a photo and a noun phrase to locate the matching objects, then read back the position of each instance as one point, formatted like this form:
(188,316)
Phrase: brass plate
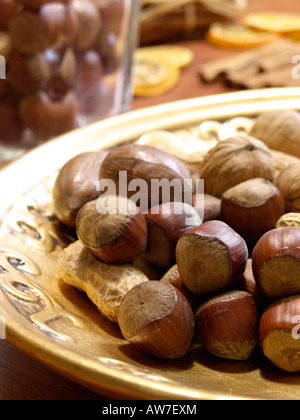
(58,325)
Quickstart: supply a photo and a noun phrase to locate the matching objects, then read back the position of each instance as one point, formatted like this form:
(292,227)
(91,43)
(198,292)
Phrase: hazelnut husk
(145,163)
(156,318)
(75,185)
(211,257)
(276,262)
(226,325)
(279,333)
(233,161)
(288,182)
(252,208)
(112,228)
(279,130)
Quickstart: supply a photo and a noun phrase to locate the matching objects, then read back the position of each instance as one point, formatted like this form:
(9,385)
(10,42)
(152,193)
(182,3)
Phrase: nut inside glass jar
(64,64)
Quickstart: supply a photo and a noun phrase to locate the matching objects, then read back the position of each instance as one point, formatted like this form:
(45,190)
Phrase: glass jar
(63,65)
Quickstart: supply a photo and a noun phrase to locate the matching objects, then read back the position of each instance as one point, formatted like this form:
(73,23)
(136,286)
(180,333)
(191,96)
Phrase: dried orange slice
(231,35)
(276,22)
(175,55)
(153,77)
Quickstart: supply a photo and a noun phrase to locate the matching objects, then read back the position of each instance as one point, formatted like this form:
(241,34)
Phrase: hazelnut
(27,32)
(89,73)
(37,4)
(210,257)
(172,277)
(279,130)
(211,207)
(288,182)
(60,24)
(75,185)
(157,319)
(279,333)
(8,8)
(252,208)
(233,161)
(47,118)
(144,164)
(166,223)
(89,23)
(5,45)
(276,262)
(226,325)
(28,74)
(112,228)
(11,125)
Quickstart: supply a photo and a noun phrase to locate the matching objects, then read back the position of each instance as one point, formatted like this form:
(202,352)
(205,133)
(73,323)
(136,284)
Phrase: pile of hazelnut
(56,53)
(230,280)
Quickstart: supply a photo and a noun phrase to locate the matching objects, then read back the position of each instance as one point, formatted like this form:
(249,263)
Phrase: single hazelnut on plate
(226,325)
(279,333)
(156,318)
(47,118)
(288,182)
(76,184)
(279,130)
(211,257)
(166,223)
(112,228)
(89,23)
(146,169)
(289,220)
(248,284)
(208,206)
(276,262)
(8,8)
(252,208)
(233,161)
(172,277)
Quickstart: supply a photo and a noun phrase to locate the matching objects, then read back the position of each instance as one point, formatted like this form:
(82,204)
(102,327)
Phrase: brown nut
(209,208)
(104,284)
(37,4)
(89,23)
(288,182)
(11,125)
(279,333)
(172,277)
(157,319)
(252,208)
(150,168)
(47,118)
(112,228)
(27,32)
(227,325)
(276,262)
(210,257)
(233,161)
(89,73)
(279,130)
(166,223)
(60,24)
(8,8)
(75,185)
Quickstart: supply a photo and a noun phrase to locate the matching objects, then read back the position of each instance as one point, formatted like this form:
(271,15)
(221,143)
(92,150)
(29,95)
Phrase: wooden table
(22,378)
